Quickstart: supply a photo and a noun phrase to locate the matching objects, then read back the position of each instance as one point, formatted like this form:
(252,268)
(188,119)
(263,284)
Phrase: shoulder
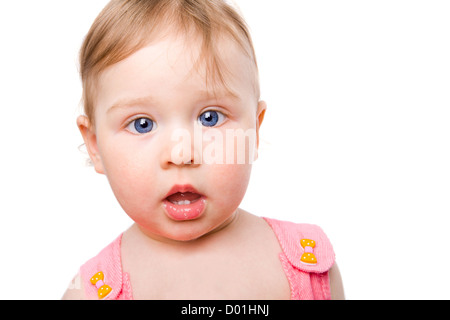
(306,246)
(105,266)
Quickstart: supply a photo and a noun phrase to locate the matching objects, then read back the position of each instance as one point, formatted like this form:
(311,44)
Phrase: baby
(172,118)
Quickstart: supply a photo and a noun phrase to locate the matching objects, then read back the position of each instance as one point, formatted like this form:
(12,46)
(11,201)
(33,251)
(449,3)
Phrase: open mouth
(186,198)
(184,203)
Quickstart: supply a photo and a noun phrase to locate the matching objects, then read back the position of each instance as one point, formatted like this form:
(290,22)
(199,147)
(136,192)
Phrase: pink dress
(306,257)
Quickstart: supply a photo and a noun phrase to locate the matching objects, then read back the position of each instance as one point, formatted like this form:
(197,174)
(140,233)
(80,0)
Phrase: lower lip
(186,211)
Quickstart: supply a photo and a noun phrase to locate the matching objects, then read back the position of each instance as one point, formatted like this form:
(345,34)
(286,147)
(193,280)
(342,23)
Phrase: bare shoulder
(75,291)
(337,288)
(257,228)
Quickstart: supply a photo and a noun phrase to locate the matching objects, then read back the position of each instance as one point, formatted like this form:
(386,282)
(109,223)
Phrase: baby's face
(161,138)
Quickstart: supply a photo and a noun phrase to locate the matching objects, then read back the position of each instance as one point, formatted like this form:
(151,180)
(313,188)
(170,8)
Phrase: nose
(180,148)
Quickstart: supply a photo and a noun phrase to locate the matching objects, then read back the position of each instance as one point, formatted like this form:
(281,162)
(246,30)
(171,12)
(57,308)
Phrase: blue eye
(211,118)
(141,126)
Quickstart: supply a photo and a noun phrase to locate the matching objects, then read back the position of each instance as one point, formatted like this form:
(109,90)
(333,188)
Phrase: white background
(356,139)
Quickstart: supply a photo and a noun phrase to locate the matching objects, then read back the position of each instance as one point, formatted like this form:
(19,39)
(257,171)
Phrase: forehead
(176,61)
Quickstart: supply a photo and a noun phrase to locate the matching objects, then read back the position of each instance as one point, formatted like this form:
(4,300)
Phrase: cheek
(130,174)
(229,183)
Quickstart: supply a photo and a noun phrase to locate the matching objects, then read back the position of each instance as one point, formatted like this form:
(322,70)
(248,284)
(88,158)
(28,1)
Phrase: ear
(90,140)
(262,107)
(260,112)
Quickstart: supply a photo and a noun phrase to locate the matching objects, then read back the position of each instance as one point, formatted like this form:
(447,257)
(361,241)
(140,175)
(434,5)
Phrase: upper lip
(182,189)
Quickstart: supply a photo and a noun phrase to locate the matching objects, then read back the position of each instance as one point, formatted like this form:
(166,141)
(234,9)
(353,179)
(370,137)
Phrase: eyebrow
(124,103)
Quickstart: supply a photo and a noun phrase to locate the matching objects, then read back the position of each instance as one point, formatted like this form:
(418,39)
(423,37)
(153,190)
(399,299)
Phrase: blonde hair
(125,26)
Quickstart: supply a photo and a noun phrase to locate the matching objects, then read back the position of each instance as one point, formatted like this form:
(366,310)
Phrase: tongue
(183,196)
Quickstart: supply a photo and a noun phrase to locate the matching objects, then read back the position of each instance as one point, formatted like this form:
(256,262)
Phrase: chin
(186,238)
(169,230)
(174,231)
(186,234)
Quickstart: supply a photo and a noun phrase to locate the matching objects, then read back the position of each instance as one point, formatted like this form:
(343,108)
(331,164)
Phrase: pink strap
(307,281)
(109,262)
(290,234)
